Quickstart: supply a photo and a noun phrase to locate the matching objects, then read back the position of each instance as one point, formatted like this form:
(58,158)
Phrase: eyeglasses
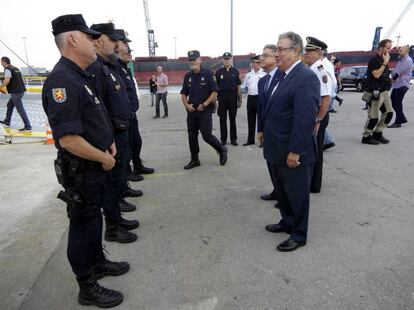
(267,55)
(282,49)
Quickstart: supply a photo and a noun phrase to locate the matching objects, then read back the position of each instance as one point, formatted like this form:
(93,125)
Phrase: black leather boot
(126,206)
(380,138)
(117,233)
(91,293)
(105,267)
(128,224)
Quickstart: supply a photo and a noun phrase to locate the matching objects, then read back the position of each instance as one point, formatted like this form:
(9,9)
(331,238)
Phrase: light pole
(25,50)
(231,27)
(175,47)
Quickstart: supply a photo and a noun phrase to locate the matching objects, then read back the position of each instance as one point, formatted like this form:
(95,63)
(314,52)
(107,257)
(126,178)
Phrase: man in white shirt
(250,82)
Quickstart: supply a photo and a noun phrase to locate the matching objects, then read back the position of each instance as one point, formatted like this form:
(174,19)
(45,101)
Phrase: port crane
(392,28)
(152,45)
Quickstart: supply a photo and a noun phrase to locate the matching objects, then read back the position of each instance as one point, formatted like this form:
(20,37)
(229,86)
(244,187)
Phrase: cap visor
(95,34)
(115,36)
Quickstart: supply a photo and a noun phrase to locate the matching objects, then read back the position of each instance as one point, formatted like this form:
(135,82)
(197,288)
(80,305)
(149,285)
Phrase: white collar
(291,67)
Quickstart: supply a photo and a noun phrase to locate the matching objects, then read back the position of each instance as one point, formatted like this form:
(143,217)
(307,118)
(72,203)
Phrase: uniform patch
(320,67)
(189,80)
(97,101)
(325,79)
(88,89)
(117,86)
(202,78)
(113,77)
(221,76)
(59,94)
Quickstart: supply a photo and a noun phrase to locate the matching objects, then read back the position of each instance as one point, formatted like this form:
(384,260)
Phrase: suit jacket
(289,117)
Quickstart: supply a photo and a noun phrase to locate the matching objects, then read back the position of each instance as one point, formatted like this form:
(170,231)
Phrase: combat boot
(126,206)
(369,140)
(223,156)
(91,293)
(117,233)
(141,169)
(128,224)
(380,138)
(105,267)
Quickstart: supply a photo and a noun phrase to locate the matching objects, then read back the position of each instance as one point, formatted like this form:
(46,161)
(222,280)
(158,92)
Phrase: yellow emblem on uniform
(59,95)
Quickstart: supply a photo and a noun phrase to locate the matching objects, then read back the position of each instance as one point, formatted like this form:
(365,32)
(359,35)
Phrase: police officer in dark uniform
(113,92)
(198,95)
(229,98)
(86,150)
(124,53)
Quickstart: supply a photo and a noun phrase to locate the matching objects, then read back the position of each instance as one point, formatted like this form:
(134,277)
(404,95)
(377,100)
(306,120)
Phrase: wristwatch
(318,120)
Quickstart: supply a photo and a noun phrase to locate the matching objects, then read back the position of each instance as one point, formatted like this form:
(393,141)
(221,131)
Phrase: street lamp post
(25,50)
(175,47)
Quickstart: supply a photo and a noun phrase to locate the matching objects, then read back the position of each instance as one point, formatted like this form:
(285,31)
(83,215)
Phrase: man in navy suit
(290,144)
(265,87)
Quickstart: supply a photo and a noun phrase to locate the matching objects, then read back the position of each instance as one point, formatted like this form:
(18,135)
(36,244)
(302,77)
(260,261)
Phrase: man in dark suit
(290,144)
(265,87)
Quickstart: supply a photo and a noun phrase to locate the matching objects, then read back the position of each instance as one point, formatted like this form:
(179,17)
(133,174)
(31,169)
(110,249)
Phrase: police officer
(250,82)
(229,97)
(198,95)
(86,150)
(314,51)
(115,98)
(124,53)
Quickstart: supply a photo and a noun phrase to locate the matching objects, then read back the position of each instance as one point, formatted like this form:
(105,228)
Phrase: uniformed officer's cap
(315,44)
(193,55)
(108,29)
(227,55)
(73,22)
(255,58)
(122,33)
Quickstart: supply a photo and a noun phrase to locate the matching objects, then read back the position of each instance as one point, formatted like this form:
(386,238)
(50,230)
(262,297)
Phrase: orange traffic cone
(49,136)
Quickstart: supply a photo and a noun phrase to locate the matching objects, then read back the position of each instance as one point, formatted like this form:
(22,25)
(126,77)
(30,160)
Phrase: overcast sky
(205,25)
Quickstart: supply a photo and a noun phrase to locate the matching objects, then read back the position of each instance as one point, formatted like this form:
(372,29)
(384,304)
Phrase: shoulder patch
(325,79)
(59,94)
(320,67)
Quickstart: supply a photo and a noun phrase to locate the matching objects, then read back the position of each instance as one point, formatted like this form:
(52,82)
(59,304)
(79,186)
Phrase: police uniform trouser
(203,122)
(117,176)
(227,102)
(397,96)
(135,142)
(383,104)
(316,183)
(85,230)
(292,188)
(251,117)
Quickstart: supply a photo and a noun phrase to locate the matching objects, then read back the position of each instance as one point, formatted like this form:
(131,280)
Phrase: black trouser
(316,183)
(292,188)
(227,102)
(272,178)
(135,142)
(85,231)
(203,122)
(160,97)
(117,177)
(251,117)
(397,96)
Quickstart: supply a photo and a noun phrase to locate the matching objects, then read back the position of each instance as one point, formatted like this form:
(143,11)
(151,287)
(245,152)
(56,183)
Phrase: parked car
(353,77)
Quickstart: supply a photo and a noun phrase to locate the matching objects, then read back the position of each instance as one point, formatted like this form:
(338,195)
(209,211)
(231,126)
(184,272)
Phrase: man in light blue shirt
(401,82)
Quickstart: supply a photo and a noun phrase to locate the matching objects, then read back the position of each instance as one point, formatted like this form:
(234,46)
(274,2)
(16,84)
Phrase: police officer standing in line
(115,98)
(198,95)
(229,98)
(314,51)
(86,150)
(250,81)
(124,53)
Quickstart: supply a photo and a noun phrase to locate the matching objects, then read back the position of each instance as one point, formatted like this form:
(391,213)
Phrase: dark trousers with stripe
(251,117)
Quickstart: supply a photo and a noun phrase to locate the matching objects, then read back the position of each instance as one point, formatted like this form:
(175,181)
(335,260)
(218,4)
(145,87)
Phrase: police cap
(255,58)
(72,22)
(193,55)
(227,55)
(122,33)
(315,44)
(108,29)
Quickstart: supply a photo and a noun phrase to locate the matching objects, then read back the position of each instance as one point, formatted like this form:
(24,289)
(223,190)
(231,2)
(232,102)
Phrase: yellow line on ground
(15,133)
(165,174)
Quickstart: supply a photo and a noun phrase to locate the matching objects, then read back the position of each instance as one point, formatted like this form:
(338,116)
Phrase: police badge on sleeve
(59,95)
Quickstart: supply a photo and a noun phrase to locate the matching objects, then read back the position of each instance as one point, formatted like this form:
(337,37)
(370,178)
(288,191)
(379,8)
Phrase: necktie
(267,82)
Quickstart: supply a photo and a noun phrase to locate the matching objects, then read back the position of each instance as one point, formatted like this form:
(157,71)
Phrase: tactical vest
(16,84)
